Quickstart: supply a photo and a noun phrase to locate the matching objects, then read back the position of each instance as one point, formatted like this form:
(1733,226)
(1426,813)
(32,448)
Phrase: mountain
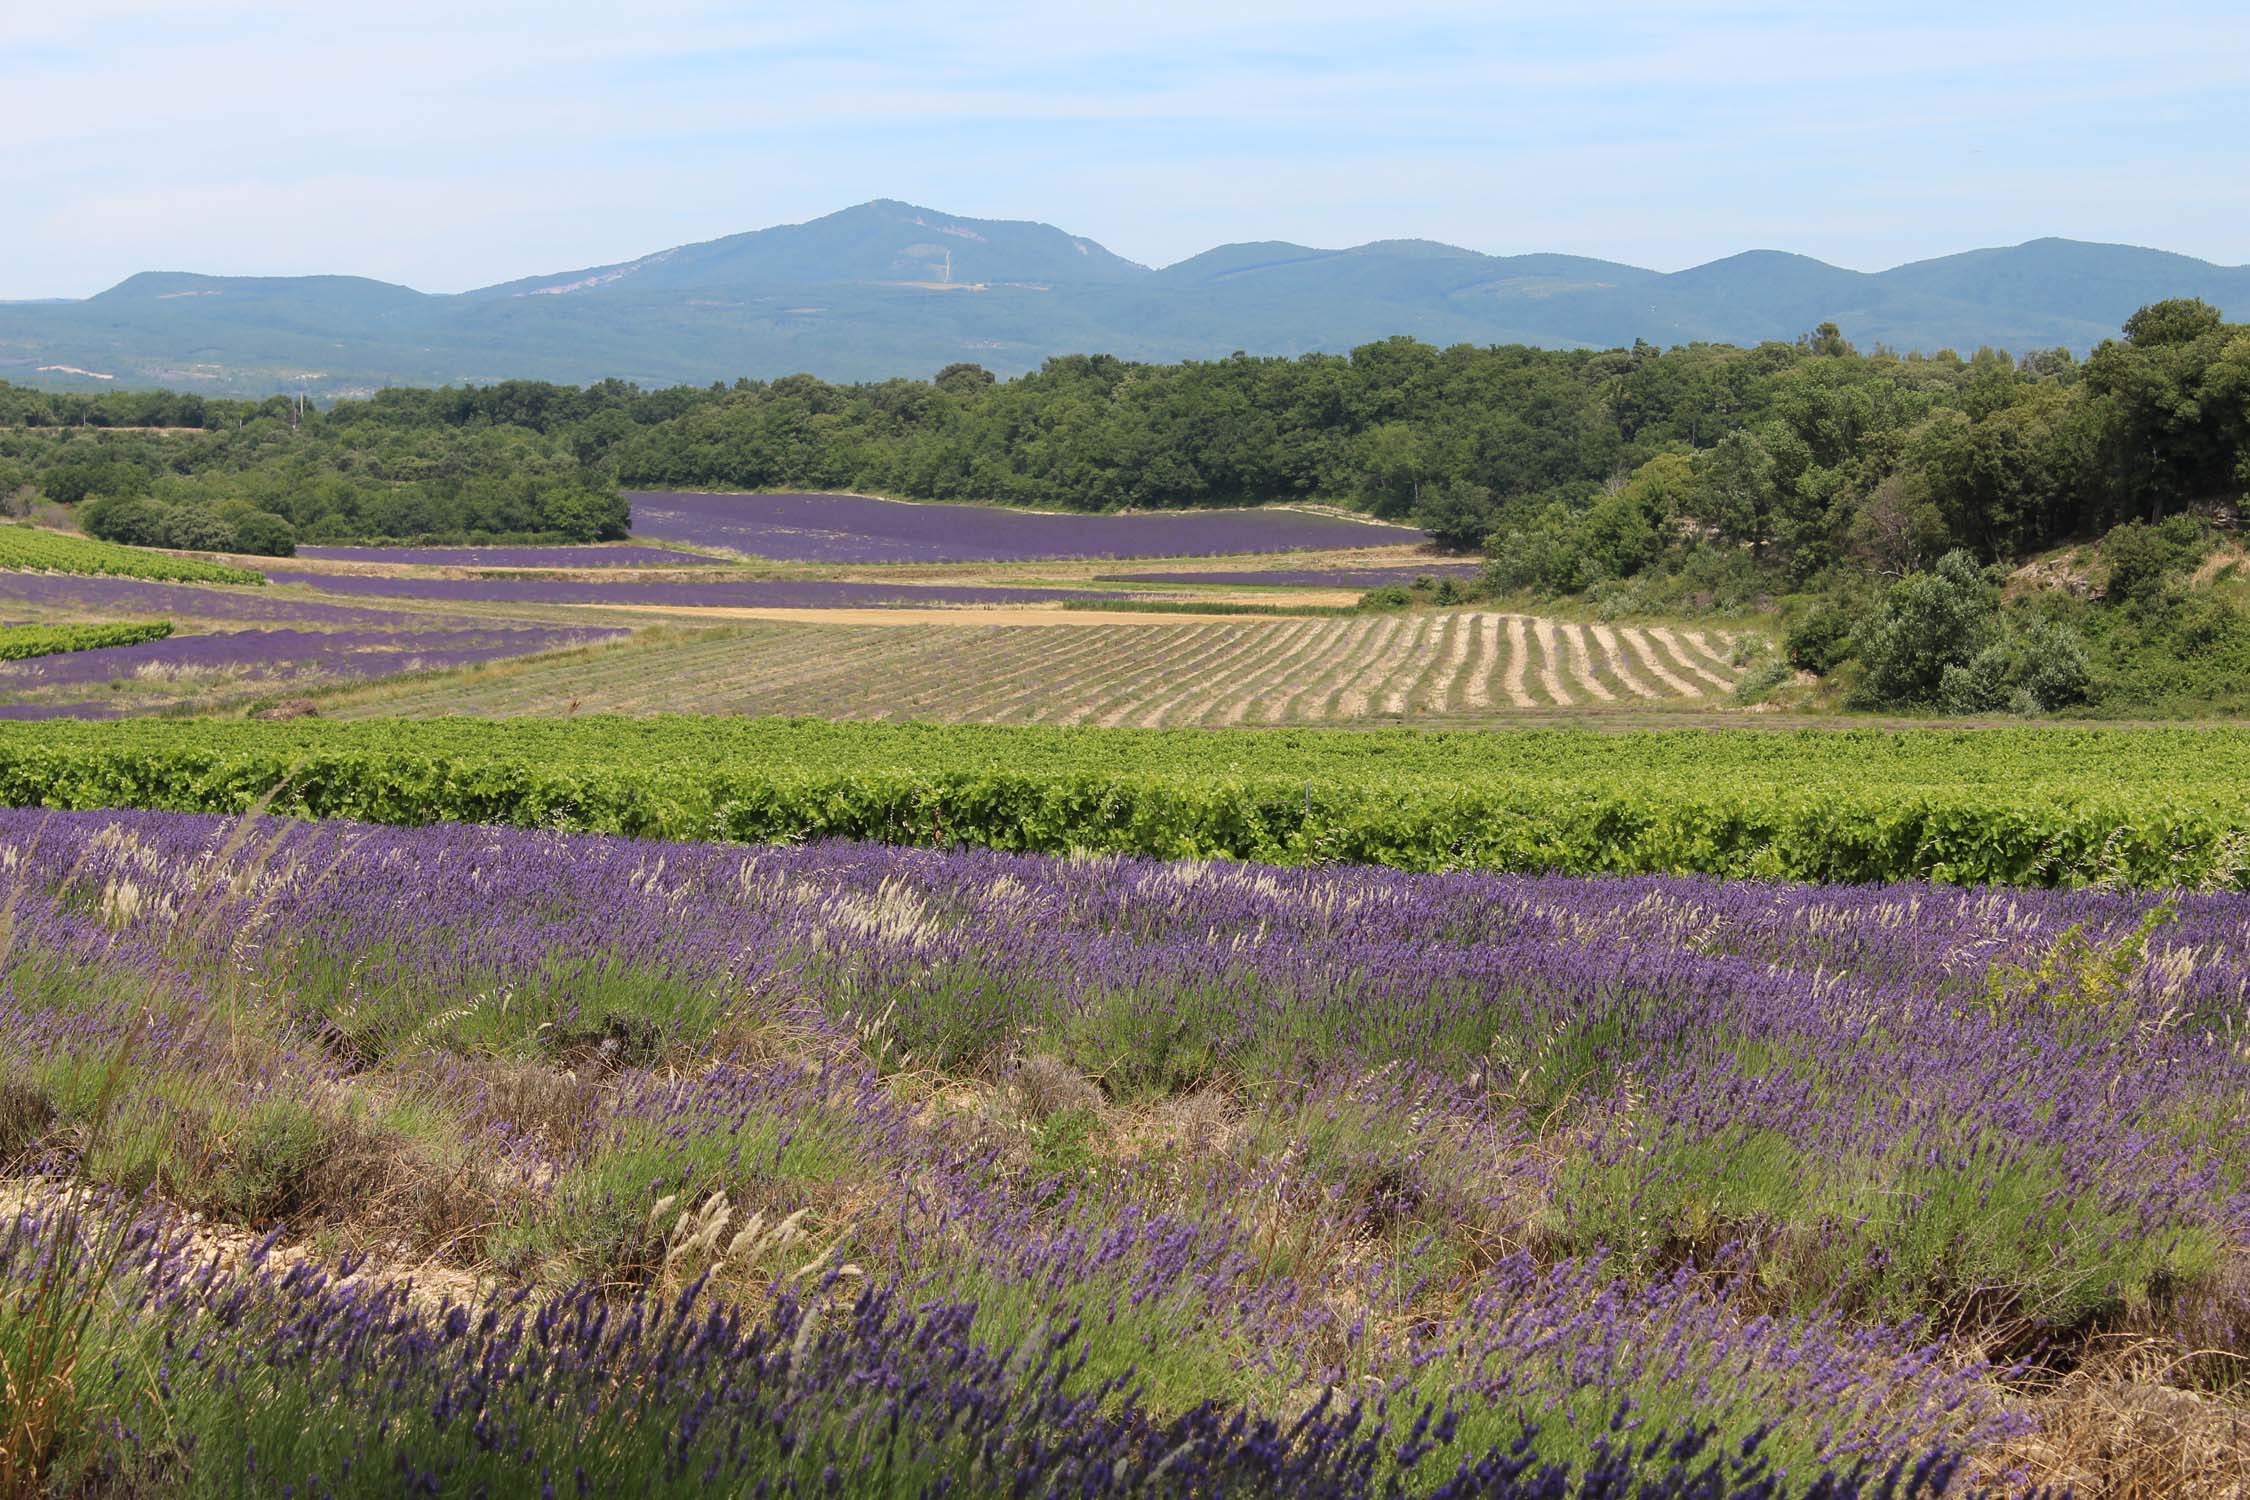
(888,288)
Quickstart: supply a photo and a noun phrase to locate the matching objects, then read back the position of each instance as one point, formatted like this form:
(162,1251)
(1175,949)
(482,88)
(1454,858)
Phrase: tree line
(1777,464)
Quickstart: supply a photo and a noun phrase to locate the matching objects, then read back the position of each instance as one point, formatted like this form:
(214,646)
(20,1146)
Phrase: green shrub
(1928,624)
(1820,640)
(23,642)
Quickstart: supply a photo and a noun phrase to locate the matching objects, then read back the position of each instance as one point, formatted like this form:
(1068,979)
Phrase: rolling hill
(887,288)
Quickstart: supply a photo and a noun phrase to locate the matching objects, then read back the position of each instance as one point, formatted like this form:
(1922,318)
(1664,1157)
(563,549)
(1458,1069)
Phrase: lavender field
(632,1168)
(861,529)
(511,557)
(781,593)
(49,596)
(123,678)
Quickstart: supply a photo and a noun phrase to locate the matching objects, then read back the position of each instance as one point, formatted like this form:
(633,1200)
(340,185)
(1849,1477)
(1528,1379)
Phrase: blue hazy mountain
(888,288)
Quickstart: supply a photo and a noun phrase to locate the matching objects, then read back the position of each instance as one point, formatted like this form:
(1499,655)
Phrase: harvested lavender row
(131,596)
(282,654)
(512,557)
(1513,1148)
(862,529)
(1311,578)
(780,593)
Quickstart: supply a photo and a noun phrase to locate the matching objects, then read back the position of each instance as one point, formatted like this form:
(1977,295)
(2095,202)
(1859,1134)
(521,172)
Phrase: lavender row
(128,596)
(751,594)
(287,1378)
(1717,1054)
(512,557)
(283,654)
(1314,578)
(862,529)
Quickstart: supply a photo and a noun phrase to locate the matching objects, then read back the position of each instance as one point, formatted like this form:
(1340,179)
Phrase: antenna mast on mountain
(949,265)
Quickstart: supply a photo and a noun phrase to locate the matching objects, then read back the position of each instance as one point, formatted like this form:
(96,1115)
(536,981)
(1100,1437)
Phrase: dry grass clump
(2122,1427)
(1044,1086)
(25,1114)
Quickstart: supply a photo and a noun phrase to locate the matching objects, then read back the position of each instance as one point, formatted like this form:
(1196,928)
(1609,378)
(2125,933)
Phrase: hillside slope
(889,288)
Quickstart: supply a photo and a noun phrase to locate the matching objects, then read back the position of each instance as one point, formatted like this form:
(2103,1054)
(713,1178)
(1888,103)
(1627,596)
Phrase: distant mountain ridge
(889,288)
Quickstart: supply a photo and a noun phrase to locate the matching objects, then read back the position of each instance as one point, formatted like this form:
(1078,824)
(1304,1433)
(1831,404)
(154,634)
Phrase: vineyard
(29,549)
(1149,673)
(2023,807)
(22,642)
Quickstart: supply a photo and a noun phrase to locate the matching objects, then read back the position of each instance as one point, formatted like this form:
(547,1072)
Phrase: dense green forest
(1694,477)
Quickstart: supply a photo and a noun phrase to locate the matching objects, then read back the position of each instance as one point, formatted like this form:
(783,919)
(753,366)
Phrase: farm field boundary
(2015,806)
(1152,671)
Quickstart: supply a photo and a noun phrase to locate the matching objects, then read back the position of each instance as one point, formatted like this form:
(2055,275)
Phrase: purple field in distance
(858,529)
(1314,578)
(285,654)
(785,593)
(141,599)
(513,557)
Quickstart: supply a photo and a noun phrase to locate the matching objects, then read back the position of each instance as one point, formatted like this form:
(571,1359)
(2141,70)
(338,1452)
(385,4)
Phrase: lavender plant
(1465,1165)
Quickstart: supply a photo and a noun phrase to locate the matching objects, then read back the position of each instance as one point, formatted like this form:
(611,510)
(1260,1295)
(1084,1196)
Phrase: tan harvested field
(1161,671)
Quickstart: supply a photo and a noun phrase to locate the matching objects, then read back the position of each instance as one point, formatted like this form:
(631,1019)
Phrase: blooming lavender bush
(1510,1151)
(512,557)
(281,1378)
(862,529)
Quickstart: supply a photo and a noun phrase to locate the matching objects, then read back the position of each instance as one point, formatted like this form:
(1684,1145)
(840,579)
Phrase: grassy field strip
(1041,698)
(1123,672)
(1335,647)
(896,685)
(1419,644)
(1405,645)
(1120,688)
(883,685)
(1616,654)
(1459,639)
(1095,686)
(1016,693)
(1551,664)
(1461,664)
(1218,700)
(1432,657)
(1131,704)
(1362,668)
(1664,643)
(1243,652)
(1587,670)
(1194,700)
(1653,660)
(1517,660)
(1233,703)
(1476,693)
(752,669)
(1719,656)
(792,661)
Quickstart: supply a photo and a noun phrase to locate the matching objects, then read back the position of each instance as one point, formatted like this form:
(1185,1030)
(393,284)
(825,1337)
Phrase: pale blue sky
(448,145)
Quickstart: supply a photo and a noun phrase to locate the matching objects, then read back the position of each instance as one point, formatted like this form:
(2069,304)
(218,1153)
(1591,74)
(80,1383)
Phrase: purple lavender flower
(512,557)
(862,529)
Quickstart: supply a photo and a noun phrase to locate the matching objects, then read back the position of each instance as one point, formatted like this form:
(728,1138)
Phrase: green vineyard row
(29,549)
(2015,806)
(23,642)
